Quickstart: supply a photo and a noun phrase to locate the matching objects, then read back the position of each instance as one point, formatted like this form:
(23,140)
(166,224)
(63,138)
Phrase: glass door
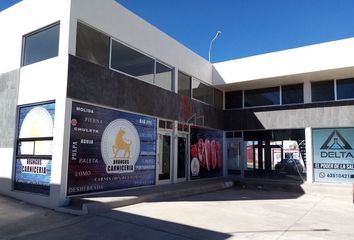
(182,158)
(164,158)
(235,156)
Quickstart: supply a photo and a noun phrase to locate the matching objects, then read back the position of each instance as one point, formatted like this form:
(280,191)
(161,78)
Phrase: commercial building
(93,99)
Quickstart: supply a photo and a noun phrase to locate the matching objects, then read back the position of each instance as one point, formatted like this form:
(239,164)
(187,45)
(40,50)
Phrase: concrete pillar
(309,155)
(224,155)
(174,158)
(307,92)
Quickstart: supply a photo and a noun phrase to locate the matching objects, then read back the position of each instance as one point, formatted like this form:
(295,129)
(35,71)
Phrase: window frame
(99,31)
(42,29)
(206,84)
(242,100)
(145,54)
(334,91)
(190,83)
(260,106)
(282,95)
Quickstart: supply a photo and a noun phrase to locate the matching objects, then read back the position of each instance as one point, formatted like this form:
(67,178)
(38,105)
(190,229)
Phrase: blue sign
(333,155)
(33,154)
(110,150)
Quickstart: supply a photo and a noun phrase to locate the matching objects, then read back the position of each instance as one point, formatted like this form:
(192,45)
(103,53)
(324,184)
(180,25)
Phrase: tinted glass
(218,98)
(202,92)
(229,134)
(262,97)
(92,45)
(163,77)
(184,84)
(345,88)
(322,91)
(134,63)
(41,45)
(233,99)
(292,94)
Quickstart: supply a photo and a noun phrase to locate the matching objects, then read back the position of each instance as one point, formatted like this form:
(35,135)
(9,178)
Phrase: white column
(224,160)
(174,158)
(307,92)
(309,155)
(175,80)
(60,152)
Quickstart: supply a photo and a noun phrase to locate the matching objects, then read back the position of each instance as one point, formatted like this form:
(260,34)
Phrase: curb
(116,202)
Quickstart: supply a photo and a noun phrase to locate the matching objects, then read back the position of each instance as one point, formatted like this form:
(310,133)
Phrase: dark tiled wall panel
(98,85)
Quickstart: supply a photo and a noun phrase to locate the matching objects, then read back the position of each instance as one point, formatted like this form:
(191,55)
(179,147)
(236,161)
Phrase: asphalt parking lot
(228,214)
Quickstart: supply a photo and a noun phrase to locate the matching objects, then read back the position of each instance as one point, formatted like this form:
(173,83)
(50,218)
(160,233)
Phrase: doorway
(182,157)
(235,156)
(164,157)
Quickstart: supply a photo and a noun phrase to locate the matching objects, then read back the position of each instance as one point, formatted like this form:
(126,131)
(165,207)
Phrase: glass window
(229,134)
(218,98)
(345,88)
(184,84)
(202,92)
(233,99)
(134,63)
(41,45)
(292,94)
(163,77)
(262,97)
(322,91)
(92,45)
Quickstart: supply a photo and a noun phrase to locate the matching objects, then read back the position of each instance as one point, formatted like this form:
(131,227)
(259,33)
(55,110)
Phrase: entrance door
(235,156)
(182,158)
(164,158)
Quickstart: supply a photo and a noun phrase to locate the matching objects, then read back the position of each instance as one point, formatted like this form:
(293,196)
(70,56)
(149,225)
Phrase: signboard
(33,154)
(333,155)
(206,153)
(110,150)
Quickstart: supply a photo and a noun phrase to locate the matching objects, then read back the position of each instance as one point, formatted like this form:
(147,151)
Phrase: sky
(249,27)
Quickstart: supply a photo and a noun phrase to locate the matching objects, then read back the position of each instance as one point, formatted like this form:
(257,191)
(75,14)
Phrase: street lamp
(211,43)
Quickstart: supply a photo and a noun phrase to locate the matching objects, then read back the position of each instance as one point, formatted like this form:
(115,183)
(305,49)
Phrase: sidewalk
(105,201)
(182,211)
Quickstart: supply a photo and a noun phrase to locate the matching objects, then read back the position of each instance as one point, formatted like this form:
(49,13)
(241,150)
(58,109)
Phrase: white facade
(316,62)
(47,80)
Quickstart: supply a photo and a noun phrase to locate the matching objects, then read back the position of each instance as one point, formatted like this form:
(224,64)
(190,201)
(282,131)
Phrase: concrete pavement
(233,213)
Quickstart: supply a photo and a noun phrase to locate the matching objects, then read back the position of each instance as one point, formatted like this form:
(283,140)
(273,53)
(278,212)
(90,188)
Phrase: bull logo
(121,144)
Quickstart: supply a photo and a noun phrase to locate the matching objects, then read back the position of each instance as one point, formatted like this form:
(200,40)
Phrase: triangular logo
(336,141)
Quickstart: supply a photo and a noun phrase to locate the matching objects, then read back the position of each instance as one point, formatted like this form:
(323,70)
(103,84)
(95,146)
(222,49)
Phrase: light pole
(211,43)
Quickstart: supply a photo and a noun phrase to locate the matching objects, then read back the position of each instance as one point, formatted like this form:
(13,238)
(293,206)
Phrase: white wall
(41,81)
(118,22)
(326,57)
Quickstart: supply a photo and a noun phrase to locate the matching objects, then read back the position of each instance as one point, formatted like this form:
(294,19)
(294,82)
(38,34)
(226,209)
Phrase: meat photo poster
(206,153)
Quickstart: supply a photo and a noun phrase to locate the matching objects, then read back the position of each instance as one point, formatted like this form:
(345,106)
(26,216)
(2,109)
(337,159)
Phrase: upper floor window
(92,45)
(132,62)
(218,98)
(233,99)
(163,76)
(262,97)
(202,92)
(322,91)
(345,88)
(137,64)
(41,44)
(184,84)
(292,94)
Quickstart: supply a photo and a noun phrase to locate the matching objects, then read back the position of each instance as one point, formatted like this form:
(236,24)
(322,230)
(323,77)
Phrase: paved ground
(229,214)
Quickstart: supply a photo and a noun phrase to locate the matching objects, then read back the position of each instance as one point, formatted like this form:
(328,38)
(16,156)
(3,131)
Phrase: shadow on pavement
(120,225)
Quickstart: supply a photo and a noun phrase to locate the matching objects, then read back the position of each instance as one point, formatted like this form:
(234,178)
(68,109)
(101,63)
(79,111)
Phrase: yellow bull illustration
(121,144)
